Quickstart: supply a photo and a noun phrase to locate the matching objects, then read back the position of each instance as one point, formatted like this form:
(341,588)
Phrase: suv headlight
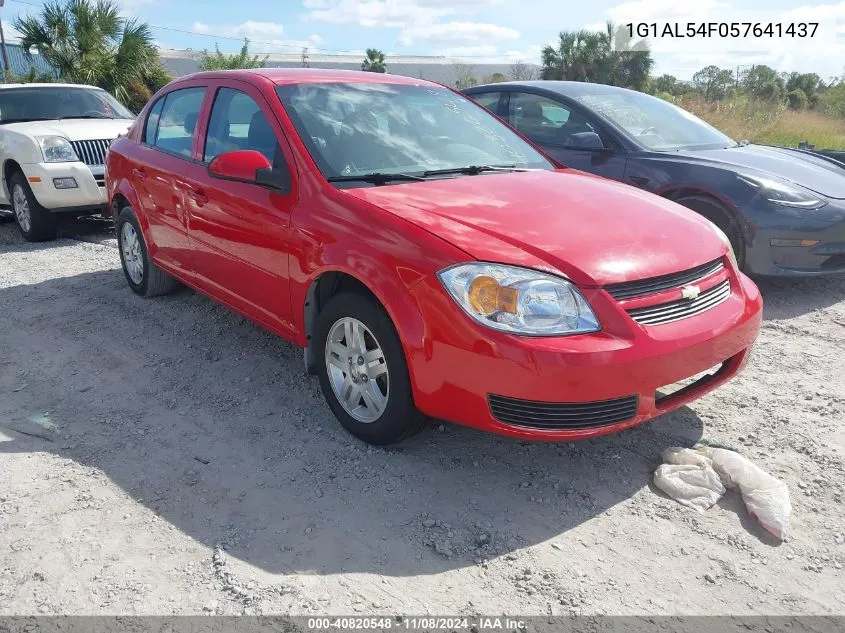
(56,149)
(783,194)
(519,300)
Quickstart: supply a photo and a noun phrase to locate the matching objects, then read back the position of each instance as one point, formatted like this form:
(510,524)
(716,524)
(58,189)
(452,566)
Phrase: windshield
(52,103)
(358,128)
(655,123)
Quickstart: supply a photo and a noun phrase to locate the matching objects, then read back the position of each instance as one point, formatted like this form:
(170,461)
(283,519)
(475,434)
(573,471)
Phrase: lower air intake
(562,415)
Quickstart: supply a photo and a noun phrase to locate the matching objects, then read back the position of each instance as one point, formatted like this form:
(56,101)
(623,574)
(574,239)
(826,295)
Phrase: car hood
(592,230)
(813,172)
(73,129)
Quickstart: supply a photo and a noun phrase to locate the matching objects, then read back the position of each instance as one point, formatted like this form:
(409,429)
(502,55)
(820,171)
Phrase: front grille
(630,289)
(562,415)
(683,308)
(91,152)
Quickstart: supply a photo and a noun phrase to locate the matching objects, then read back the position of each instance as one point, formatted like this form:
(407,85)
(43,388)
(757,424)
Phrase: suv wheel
(363,373)
(35,222)
(142,275)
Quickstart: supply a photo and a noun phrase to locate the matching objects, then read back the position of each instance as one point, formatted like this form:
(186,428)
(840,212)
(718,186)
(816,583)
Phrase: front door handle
(139,173)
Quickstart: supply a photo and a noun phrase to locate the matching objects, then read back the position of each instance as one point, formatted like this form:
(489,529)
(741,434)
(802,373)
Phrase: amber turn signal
(488,296)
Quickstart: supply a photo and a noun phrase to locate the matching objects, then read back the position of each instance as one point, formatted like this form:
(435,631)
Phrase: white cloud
(389,13)
(457,34)
(250,29)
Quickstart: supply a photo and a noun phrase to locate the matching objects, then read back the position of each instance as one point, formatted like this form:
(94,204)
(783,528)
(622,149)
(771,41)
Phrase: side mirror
(251,167)
(585,140)
(240,165)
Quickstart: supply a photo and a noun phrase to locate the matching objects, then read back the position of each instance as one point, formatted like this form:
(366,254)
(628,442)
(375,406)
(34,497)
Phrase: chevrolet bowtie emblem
(690,292)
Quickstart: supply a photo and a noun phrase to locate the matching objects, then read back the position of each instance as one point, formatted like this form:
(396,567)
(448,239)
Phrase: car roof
(308,75)
(566,88)
(48,85)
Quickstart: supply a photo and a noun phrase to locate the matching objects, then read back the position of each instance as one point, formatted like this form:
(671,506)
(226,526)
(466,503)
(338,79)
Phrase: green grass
(768,123)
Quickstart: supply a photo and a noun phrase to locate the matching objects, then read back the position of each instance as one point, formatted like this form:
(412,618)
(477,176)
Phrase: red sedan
(429,260)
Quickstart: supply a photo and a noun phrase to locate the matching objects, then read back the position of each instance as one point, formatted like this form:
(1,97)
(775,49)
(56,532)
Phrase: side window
(545,121)
(151,127)
(489,100)
(238,123)
(178,120)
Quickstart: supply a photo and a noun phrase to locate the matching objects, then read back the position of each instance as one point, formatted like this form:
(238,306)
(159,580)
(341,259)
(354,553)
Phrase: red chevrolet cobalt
(429,260)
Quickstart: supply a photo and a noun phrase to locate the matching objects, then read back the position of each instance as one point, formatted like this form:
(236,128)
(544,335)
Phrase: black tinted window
(489,100)
(178,121)
(238,123)
(544,120)
(151,126)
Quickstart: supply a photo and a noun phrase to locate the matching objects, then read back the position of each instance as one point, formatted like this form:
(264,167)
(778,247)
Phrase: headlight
(783,194)
(56,149)
(727,242)
(519,300)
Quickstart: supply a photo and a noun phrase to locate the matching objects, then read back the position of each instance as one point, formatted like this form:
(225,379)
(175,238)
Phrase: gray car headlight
(784,194)
(519,300)
(56,149)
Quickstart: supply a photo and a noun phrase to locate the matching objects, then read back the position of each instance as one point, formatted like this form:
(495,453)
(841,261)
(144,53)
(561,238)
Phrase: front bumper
(88,196)
(458,364)
(772,253)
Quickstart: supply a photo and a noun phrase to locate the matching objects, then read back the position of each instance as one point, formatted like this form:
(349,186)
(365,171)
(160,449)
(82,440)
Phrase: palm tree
(607,57)
(374,61)
(88,41)
(219,61)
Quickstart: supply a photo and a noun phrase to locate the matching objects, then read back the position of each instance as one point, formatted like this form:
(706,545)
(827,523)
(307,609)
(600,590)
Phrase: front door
(565,134)
(240,232)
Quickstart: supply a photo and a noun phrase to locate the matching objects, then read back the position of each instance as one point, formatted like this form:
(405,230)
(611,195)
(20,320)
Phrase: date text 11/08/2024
(722,29)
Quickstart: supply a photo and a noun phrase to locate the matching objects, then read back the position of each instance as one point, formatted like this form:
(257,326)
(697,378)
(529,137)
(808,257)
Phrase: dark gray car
(782,209)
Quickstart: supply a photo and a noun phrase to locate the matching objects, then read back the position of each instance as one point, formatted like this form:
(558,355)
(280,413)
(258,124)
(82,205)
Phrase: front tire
(142,275)
(363,372)
(722,218)
(35,223)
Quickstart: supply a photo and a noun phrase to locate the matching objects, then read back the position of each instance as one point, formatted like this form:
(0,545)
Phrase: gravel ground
(168,457)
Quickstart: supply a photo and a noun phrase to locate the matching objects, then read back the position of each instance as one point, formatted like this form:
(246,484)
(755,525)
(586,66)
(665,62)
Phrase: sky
(480,31)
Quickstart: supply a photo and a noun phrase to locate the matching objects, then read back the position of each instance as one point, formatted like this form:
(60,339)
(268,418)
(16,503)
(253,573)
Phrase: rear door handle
(139,173)
(198,195)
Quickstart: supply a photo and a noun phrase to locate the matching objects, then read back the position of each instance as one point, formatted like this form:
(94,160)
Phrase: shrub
(797,99)
(834,101)
(665,96)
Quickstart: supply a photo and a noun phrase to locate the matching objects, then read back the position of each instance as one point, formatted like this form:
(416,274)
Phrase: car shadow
(211,423)
(788,298)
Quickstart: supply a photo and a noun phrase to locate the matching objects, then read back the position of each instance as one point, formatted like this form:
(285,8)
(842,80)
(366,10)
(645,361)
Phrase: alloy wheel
(130,247)
(357,370)
(21,206)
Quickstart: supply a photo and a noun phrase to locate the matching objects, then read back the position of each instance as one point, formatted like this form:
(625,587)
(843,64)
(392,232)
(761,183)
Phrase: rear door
(164,155)
(240,232)
(565,133)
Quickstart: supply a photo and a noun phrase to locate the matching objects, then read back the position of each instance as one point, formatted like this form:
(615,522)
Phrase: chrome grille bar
(682,309)
(91,152)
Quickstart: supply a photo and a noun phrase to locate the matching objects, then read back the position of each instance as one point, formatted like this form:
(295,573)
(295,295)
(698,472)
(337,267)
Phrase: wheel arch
(331,281)
(124,195)
(725,205)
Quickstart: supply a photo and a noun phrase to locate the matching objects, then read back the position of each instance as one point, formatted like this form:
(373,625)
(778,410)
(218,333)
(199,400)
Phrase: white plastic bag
(765,497)
(696,486)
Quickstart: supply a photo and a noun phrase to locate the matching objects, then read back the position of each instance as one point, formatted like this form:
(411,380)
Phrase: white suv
(53,143)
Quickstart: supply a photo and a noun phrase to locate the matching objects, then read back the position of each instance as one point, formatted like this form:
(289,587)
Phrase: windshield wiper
(85,116)
(377,178)
(471,170)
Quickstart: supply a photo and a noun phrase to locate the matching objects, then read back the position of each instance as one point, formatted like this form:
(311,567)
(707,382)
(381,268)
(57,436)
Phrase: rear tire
(35,223)
(142,275)
(361,361)
(721,217)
